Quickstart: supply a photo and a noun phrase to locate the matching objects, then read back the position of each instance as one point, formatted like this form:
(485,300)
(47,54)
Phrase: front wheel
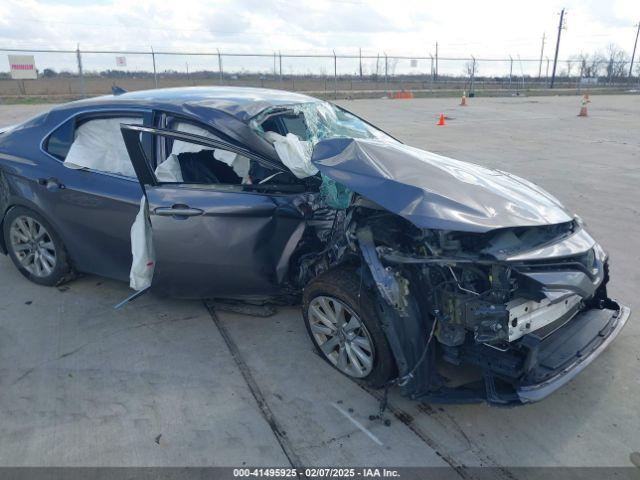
(343,324)
(35,248)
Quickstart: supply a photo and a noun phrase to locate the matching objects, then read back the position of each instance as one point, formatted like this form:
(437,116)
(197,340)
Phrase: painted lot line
(324,414)
(591,164)
(158,384)
(149,385)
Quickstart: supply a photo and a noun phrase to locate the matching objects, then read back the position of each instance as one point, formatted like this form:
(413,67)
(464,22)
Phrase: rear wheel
(35,248)
(343,324)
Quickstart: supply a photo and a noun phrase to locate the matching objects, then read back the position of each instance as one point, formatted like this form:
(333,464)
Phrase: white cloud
(492,28)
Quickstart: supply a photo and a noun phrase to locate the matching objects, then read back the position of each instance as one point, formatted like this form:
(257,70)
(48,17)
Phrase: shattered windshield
(316,121)
(294,131)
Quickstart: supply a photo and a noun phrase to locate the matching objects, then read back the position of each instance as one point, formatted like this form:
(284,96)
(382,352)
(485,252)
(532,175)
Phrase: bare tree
(590,65)
(470,68)
(617,61)
(571,62)
(393,63)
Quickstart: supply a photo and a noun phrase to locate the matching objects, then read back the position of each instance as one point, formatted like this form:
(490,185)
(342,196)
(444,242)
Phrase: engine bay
(479,295)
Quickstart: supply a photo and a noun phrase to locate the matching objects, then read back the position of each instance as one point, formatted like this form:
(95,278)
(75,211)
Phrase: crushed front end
(505,316)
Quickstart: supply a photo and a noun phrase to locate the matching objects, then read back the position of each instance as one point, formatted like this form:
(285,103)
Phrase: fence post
(386,73)
(432,73)
(335,76)
(473,74)
(360,56)
(80,72)
(546,75)
(280,55)
(155,74)
(510,70)
(221,72)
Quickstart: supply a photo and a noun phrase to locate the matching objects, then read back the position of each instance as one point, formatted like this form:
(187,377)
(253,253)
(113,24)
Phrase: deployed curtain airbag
(239,163)
(99,145)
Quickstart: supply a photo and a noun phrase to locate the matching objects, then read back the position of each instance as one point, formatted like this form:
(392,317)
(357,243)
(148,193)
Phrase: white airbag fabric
(99,145)
(239,163)
(169,170)
(143,262)
(294,153)
(144,257)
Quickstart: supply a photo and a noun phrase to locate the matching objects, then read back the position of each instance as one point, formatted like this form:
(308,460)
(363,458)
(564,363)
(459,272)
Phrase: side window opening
(287,122)
(185,162)
(59,142)
(288,132)
(93,143)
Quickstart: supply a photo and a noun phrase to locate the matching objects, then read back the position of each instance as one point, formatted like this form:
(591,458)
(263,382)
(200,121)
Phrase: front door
(214,233)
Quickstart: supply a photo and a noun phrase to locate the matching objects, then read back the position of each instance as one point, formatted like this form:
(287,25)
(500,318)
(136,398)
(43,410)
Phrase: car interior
(96,144)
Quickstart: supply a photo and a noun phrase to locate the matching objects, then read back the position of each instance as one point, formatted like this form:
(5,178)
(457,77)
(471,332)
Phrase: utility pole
(541,54)
(634,51)
(360,57)
(555,58)
(436,74)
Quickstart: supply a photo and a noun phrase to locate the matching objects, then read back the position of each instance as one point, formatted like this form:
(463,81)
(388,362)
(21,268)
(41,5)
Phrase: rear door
(216,237)
(93,207)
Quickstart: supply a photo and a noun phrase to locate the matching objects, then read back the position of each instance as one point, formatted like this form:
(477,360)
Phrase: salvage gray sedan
(455,282)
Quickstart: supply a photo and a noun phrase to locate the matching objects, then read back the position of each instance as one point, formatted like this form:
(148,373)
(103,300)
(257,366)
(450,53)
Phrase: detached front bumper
(558,358)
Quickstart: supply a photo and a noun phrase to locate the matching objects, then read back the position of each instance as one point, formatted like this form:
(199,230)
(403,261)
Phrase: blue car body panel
(92,212)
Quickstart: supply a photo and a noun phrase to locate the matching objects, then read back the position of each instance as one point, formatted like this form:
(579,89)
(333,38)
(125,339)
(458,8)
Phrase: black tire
(61,270)
(344,284)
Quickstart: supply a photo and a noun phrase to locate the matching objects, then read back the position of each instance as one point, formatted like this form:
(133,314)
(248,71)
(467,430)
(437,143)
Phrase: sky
(484,29)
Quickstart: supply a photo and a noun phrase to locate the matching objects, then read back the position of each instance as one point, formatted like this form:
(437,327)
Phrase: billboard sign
(121,61)
(23,67)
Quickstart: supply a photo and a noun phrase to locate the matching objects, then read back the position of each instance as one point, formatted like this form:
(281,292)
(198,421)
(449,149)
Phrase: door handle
(51,183)
(178,211)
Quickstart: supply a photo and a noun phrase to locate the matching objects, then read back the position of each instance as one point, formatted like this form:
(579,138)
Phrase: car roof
(243,103)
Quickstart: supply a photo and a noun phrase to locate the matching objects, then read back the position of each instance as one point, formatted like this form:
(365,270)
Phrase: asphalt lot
(161,382)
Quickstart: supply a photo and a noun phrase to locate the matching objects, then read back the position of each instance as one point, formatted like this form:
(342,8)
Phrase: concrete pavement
(161,382)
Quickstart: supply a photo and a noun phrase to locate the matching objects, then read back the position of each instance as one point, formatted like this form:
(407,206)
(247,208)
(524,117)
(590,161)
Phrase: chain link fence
(65,74)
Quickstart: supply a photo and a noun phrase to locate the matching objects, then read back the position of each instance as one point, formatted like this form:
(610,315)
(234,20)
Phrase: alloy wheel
(342,337)
(33,246)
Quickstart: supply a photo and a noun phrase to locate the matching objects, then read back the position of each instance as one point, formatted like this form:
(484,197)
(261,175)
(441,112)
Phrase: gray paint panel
(433,191)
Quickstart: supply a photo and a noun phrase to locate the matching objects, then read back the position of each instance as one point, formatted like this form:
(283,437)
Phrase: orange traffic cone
(583,106)
(441,121)
(463,102)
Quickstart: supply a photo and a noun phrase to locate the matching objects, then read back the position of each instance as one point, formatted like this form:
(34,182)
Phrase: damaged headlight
(599,253)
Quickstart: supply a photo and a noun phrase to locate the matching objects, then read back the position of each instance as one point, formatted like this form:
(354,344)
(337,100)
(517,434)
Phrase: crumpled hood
(433,191)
